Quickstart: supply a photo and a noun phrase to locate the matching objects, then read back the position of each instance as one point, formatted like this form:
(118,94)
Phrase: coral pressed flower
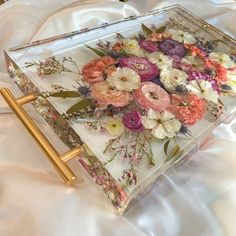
(162,61)
(148,45)
(132,121)
(187,108)
(172,48)
(151,96)
(131,46)
(146,69)
(162,125)
(156,37)
(222,59)
(182,36)
(124,79)
(172,78)
(114,126)
(97,69)
(203,89)
(105,94)
(117,47)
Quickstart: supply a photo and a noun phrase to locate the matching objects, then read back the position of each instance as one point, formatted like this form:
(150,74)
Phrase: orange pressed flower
(97,69)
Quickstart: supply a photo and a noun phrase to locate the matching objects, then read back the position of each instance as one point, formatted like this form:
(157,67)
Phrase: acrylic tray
(125,141)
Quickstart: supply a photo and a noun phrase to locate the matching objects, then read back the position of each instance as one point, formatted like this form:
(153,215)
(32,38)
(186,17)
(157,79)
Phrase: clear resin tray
(138,95)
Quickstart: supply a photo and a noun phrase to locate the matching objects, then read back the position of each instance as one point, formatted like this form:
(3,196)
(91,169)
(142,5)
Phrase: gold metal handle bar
(59,162)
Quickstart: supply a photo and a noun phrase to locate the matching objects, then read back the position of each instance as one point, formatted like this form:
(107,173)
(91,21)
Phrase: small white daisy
(163,125)
(203,89)
(195,61)
(124,79)
(222,59)
(162,61)
(182,36)
(172,78)
(131,46)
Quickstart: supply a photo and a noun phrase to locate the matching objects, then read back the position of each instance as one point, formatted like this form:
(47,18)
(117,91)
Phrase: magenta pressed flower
(132,121)
(172,48)
(148,45)
(146,70)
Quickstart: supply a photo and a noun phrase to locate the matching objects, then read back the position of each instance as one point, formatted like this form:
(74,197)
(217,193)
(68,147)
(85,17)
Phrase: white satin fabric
(198,198)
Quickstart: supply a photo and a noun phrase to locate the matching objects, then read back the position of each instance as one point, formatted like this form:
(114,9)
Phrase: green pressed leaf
(100,53)
(161,30)
(166,145)
(178,155)
(174,152)
(66,94)
(85,104)
(146,29)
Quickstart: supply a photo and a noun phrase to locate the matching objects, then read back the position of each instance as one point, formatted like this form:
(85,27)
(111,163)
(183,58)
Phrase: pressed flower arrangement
(150,87)
(139,98)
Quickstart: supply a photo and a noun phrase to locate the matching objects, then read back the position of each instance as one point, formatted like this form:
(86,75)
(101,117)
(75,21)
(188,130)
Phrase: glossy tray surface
(139,93)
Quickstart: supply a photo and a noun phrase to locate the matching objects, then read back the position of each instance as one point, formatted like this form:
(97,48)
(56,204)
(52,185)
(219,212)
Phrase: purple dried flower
(146,70)
(178,64)
(149,45)
(172,48)
(132,121)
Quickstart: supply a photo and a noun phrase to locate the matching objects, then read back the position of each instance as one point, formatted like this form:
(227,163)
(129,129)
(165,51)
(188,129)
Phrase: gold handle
(59,162)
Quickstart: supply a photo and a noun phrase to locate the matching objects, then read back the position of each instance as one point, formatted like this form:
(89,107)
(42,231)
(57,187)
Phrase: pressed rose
(132,121)
(151,96)
(172,48)
(97,69)
(148,45)
(187,108)
(146,70)
(105,94)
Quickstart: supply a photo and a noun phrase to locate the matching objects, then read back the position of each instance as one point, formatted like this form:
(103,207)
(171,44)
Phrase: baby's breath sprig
(132,147)
(129,177)
(53,66)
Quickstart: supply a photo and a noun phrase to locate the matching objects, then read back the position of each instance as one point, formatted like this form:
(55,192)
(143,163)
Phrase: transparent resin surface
(186,77)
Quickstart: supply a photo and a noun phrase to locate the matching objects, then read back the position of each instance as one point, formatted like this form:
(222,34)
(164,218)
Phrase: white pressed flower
(162,61)
(203,89)
(231,77)
(163,125)
(124,79)
(131,46)
(195,61)
(222,59)
(172,78)
(182,36)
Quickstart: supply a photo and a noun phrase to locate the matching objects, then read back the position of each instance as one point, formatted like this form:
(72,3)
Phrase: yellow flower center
(123,79)
(139,66)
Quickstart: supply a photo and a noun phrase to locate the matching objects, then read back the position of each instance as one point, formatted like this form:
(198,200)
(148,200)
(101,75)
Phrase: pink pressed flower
(148,45)
(141,65)
(151,96)
(104,94)
(187,108)
(132,121)
(97,69)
